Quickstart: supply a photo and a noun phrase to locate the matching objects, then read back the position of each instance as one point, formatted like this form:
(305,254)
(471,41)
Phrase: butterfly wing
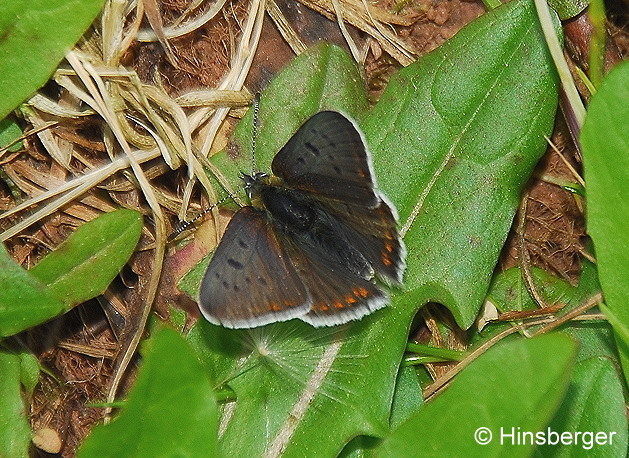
(373,232)
(338,295)
(327,155)
(250,280)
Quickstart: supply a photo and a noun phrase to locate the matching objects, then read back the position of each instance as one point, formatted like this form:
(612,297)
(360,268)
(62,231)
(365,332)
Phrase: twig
(438,384)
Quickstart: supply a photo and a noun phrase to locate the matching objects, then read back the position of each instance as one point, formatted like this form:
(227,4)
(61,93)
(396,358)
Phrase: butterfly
(315,237)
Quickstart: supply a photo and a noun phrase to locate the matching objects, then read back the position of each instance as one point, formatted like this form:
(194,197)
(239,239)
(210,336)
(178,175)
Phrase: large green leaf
(605,142)
(455,137)
(34,37)
(594,403)
(15,433)
(79,269)
(289,378)
(86,263)
(171,410)
(496,392)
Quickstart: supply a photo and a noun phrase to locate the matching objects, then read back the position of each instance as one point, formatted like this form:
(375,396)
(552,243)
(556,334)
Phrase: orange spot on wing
(361,292)
(386,259)
(288,303)
(388,246)
(322,306)
(275,306)
(338,305)
(351,300)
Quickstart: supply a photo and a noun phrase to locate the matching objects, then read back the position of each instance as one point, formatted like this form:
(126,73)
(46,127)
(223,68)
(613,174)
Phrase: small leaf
(15,433)
(85,264)
(9,132)
(496,391)
(593,404)
(29,371)
(509,293)
(567,9)
(24,300)
(171,410)
(605,142)
(34,37)
(79,269)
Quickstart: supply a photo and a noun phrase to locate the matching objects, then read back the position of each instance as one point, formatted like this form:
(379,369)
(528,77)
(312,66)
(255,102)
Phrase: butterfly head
(252,181)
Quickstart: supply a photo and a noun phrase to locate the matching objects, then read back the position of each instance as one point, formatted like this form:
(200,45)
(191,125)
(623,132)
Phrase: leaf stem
(556,51)
(419,360)
(436,352)
(596,13)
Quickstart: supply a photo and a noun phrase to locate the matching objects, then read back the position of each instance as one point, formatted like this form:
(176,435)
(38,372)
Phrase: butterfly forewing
(250,280)
(327,156)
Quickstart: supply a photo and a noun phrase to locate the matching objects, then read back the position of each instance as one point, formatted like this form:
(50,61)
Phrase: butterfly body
(312,241)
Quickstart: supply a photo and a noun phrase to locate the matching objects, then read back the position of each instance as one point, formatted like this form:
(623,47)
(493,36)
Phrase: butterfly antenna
(256,127)
(183,225)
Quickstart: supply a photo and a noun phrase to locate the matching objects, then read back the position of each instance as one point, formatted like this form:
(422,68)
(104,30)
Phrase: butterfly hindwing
(250,280)
(373,232)
(327,155)
(338,295)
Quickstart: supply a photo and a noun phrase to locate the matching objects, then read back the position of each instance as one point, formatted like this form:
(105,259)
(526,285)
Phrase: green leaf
(508,293)
(79,269)
(496,391)
(15,433)
(171,410)
(29,371)
(455,137)
(24,300)
(34,37)
(407,400)
(568,8)
(594,403)
(605,142)
(290,378)
(9,132)
(85,264)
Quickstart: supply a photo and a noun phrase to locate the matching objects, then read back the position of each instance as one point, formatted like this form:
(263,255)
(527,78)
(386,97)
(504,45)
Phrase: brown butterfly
(313,240)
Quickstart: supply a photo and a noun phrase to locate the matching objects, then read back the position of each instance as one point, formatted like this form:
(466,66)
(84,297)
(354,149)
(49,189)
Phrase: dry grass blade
(355,13)
(76,186)
(215,98)
(235,79)
(180,30)
(286,30)
(348,38)
(102,104)
(151,9)
(46,105)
